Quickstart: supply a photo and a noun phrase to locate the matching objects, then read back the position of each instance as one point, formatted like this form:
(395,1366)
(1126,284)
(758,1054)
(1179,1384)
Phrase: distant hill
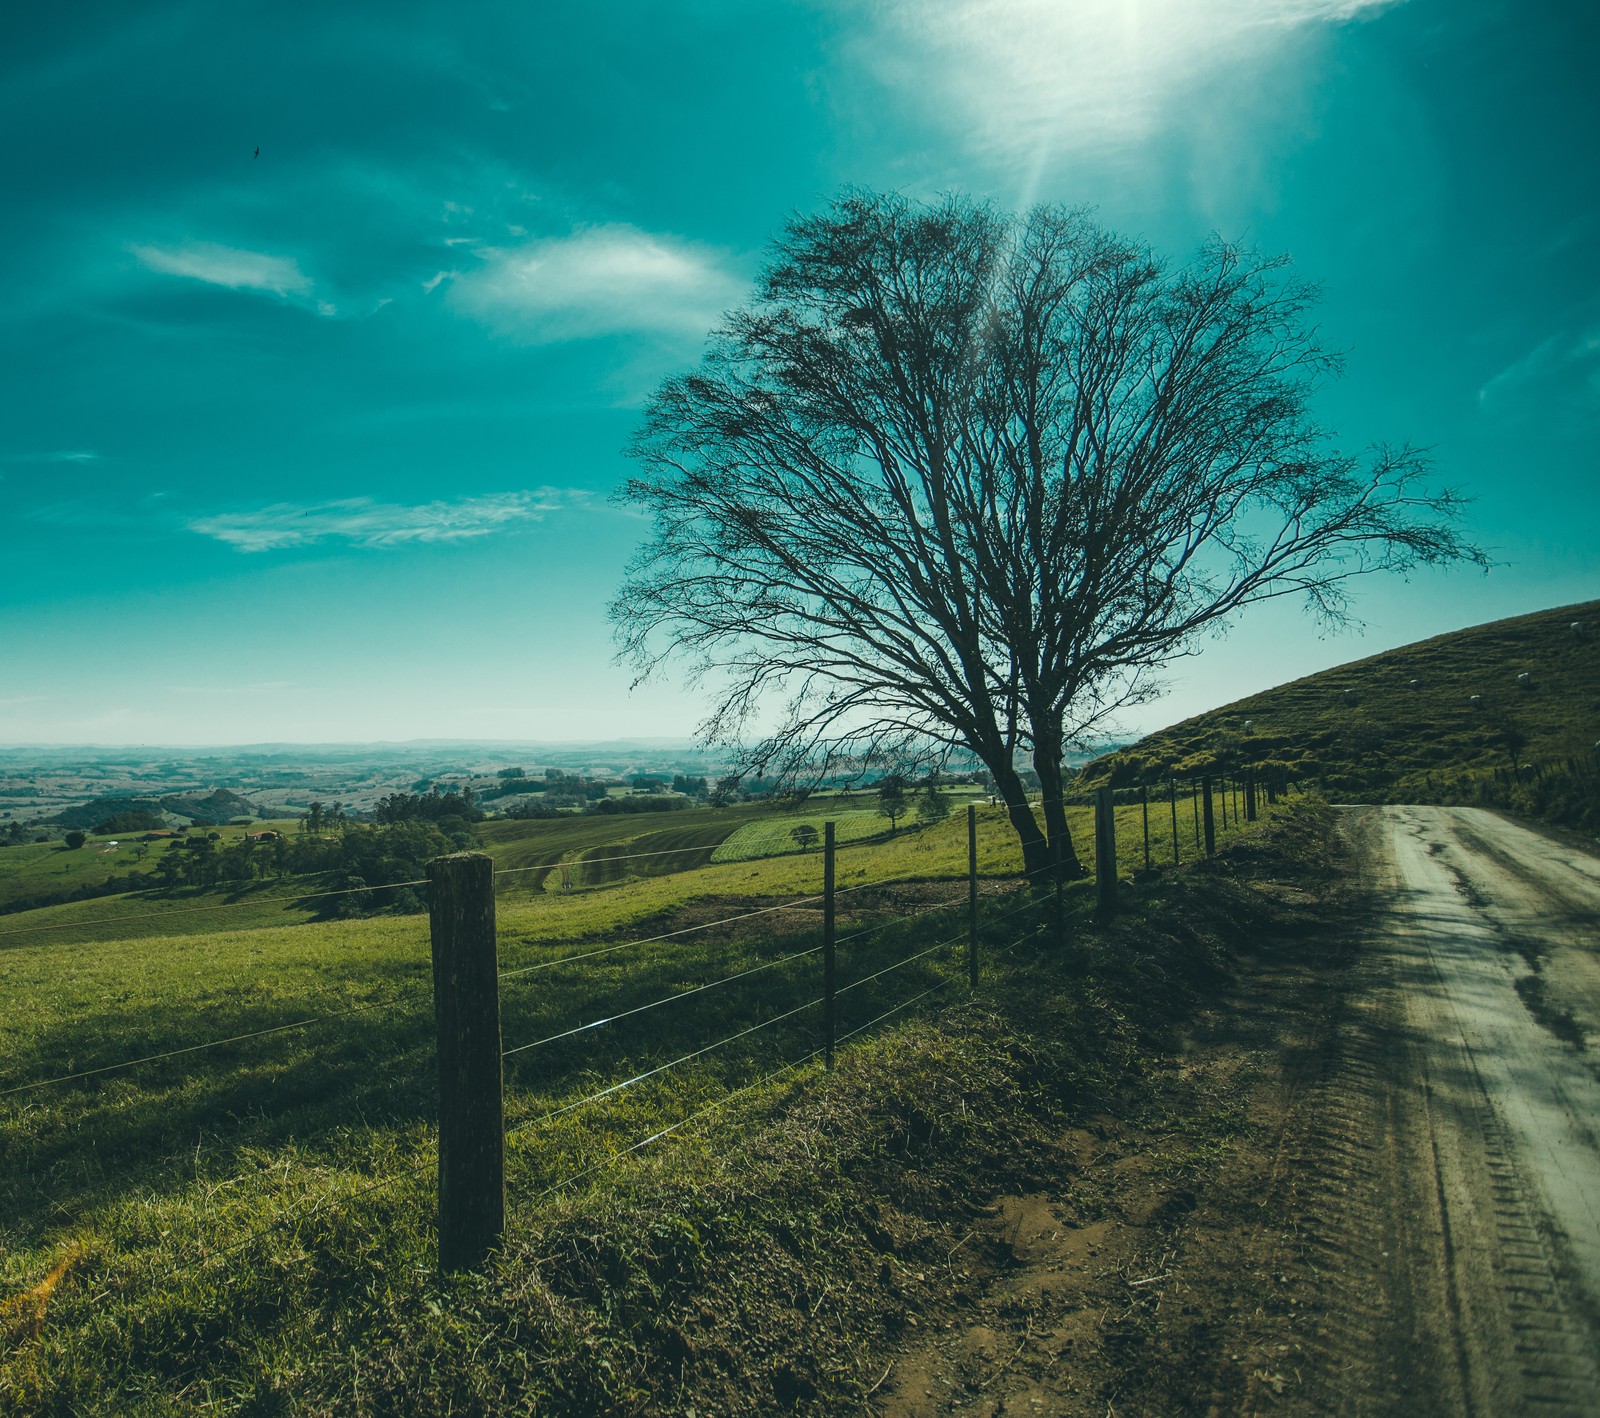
(221,805)
(1425,722)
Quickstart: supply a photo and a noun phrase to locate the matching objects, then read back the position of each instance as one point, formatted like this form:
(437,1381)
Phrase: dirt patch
(1163,1273)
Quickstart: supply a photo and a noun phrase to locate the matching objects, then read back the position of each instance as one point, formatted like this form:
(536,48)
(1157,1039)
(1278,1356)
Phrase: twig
(879,1384)
(949,1256)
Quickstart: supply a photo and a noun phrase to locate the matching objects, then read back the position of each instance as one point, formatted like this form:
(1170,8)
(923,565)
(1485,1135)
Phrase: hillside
(1439,720)
(218,806)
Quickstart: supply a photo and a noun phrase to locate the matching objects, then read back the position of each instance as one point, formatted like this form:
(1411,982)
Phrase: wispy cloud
(1566,365)
(603,280)
(228,266)
(361,521)
(70,455)
(1023,81)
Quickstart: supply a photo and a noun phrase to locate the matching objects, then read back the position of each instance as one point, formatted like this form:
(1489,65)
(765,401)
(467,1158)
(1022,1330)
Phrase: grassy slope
(35,868)
(1390,742)
(634,892)
(285,1146)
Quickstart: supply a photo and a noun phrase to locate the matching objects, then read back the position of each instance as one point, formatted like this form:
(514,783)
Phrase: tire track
(1449,1288)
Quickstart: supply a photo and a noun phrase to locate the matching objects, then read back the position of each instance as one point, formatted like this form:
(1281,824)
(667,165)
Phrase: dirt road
(1459,1152)
(1405,1219)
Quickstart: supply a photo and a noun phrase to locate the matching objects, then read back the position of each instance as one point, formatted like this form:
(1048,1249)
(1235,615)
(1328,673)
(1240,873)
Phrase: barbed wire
(659,1069)
(898,964)
(723,1101)
(726,979)
(653,939)
(657,1003)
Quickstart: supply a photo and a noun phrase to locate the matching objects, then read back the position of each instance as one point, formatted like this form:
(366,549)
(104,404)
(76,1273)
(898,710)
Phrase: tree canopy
(959,480)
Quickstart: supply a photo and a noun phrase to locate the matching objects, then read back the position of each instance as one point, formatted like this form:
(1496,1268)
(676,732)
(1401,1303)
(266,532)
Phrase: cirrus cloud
(364,522)
(227,266)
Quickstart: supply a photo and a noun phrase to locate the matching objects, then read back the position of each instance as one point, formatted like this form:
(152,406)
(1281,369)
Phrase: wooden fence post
(1172,786)
(972,894)
(1210,817)
(466,1002)
(1144,812)
(1222,794)
(1194,805)
(1105,852)
(829,963)
(1250,798)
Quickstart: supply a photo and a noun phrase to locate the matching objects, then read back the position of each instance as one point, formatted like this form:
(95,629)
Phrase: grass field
(1402,726)
(229,1213)
(35,868)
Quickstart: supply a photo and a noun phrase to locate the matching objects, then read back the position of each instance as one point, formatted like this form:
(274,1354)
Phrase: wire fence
(518,1134)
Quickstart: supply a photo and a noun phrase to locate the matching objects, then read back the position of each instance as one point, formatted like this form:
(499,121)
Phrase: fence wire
(200,1048)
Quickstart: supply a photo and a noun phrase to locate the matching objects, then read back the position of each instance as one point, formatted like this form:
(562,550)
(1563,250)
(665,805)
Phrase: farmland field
(265,1173)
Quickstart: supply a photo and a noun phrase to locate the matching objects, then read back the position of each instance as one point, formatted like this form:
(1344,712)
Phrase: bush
(75,839)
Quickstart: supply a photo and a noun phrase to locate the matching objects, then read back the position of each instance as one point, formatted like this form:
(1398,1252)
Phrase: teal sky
(316,445)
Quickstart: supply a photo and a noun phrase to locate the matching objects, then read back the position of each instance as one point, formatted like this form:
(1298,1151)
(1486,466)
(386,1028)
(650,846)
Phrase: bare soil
(1366,1181)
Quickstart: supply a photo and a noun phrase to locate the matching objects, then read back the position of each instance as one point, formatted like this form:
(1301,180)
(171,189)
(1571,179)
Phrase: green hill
(218,806)
(1444,719)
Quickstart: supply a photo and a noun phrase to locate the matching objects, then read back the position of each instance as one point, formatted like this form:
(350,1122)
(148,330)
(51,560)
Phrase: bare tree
(958,481)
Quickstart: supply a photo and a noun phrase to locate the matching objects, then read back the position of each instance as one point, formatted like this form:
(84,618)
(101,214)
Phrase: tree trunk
(1037,861)
(1047,765)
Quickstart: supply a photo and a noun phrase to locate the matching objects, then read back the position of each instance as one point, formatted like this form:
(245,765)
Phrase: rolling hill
(1443,719)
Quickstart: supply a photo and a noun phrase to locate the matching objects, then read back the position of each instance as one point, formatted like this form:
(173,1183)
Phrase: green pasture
(238,1207)
(34,868)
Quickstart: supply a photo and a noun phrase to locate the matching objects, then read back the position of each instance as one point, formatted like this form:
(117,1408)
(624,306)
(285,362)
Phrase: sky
(326,325)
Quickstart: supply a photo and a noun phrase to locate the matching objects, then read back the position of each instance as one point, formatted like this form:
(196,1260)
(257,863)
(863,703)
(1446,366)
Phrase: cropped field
(673,849)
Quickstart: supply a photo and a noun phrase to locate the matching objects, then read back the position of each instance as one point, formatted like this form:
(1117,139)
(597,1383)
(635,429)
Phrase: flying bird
(258,150)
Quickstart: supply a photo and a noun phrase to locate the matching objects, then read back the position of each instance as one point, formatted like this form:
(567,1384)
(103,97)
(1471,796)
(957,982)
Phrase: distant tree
(121,824)
(432,806)
(689,787)
(75,839)
(892,799)
(511,773)
(805,836)
(933,803)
